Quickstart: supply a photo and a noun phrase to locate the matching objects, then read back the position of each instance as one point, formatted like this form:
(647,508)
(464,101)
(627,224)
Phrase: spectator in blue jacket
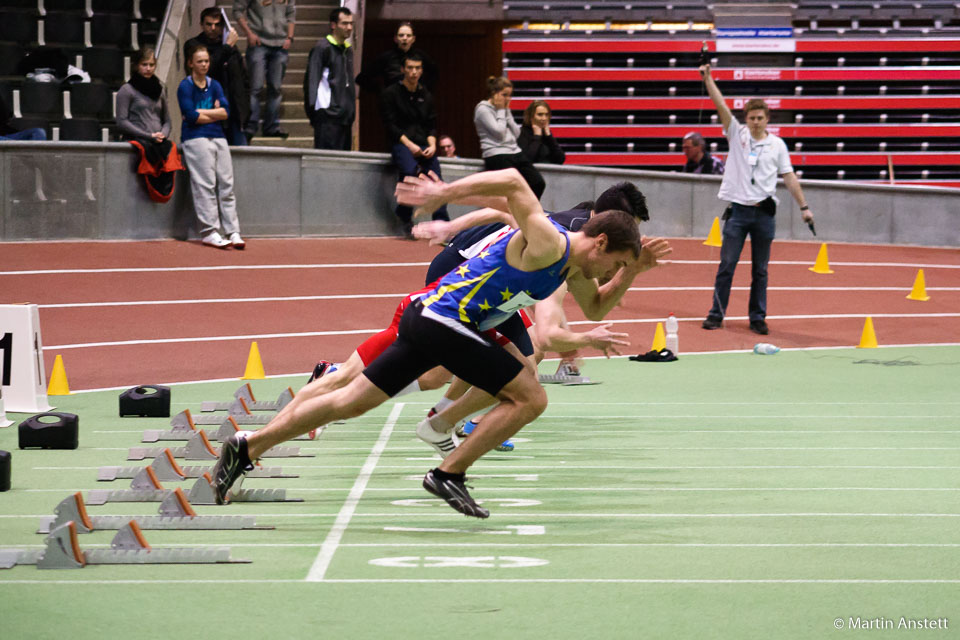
(205,150)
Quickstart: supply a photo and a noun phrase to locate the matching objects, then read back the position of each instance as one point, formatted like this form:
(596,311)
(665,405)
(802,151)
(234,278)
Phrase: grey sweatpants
(211,174)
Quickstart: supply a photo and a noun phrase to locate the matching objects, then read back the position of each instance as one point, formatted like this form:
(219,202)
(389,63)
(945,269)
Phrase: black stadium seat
(41,99)
(10,56)
(63,28)
(65,5)
(103,64)
(110,28)
(31,122)
(81,129)
(118,6)
(18,26)
(91,99)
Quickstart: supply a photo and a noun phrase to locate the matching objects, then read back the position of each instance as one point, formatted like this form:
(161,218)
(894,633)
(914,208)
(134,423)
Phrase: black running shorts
(424,343)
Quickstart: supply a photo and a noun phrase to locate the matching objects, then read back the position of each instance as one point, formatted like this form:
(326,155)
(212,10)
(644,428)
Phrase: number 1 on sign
(6,345)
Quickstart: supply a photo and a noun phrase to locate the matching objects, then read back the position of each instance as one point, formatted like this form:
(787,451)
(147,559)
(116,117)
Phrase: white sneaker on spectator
(214,239)
(236,241)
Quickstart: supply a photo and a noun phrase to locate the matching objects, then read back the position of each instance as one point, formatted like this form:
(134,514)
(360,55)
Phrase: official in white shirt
(756,159)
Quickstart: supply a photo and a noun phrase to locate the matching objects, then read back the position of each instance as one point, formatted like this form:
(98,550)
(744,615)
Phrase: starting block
(199,448)
(568,380)
(200,493)
(127,547)
(227,428)
(165,468)
(175,511)
(186,420)
(245,402)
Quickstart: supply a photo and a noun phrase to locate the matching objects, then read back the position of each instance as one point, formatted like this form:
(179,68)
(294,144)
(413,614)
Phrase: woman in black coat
(535,140)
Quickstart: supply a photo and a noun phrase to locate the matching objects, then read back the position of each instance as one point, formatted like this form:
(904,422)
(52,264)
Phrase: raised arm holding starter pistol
(756,159)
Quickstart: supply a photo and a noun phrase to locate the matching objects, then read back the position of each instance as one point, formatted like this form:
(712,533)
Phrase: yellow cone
(714,239)
(254,370)
(659,339)
(822,265)
(919,291)
(58,379)
(868,339)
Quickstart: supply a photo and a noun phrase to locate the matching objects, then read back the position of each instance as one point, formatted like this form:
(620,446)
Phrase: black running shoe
(320,370)
(454,492)
(232,464)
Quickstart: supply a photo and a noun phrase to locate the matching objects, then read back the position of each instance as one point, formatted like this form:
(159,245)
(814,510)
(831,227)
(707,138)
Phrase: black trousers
(331,134)
(521,164)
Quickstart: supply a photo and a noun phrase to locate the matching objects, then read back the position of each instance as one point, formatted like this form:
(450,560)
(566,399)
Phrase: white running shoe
(214,239)
(236,241)
(444,443)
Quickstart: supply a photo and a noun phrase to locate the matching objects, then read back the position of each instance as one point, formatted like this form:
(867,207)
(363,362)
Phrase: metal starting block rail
(244,402)
(559,378)
(176,512)
(228,427)
(199,448)
(165,468)
(127,547)
(200,493)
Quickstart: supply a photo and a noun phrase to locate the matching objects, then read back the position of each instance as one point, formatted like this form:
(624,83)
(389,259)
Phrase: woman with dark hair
(204,107)
(387,68)
(535,140)
(498,133)
(144,120)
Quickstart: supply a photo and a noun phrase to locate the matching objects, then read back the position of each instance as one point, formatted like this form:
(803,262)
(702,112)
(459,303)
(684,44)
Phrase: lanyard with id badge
(754,158)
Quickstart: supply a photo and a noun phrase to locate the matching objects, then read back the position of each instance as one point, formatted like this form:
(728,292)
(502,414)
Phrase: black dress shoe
(712,323)
(276,133)
(759,326)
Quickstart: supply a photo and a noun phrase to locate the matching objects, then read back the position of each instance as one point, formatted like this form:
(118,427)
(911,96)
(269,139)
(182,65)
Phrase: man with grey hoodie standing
(268,25)
(329,91)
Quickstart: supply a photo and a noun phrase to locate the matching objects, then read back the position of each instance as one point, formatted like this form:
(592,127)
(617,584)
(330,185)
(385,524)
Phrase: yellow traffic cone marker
(58,379)
(714,239)
(822,265)
(868,339)
(659,339)
(254,370)
(919,291)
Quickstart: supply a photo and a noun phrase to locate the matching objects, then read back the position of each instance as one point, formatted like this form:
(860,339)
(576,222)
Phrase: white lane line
(406,490)
(310,334)
(911,265)
(329,547)
(398,295)
(231,267)
(534,545)
(731,581)
(330,544)
(561,467)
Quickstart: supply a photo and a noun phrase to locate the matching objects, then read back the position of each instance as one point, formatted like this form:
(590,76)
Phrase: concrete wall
(53,191)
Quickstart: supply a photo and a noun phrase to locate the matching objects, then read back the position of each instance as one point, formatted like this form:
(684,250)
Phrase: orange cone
(919,291)
(254,370)
(659,338)
(868,339)
(58,379)
(822,265)
(714,239)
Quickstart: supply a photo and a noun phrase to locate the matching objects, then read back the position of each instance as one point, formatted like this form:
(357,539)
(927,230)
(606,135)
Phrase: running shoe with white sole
(442,442)
(467,428)
(323,368)
(454,493)
(232,463)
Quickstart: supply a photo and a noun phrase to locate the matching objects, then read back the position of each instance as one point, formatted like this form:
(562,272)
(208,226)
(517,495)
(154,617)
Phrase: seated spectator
(410,120)
(387,68)
(227,68)
(329,95)
(447,148)
(205,149)
(699,159)
(498,133)
(535,140)
(144,120)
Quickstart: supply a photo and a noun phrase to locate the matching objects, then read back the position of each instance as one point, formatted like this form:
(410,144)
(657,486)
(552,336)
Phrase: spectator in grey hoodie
(269,30)
(498,133)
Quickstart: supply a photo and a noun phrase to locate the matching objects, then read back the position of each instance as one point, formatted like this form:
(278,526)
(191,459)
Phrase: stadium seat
(103,63)
(18,26)
(65,5)
(91,99)
(32,122)
(81,129)
(110,28)
(41,99)
(117,6)
(10,56)
(63,28)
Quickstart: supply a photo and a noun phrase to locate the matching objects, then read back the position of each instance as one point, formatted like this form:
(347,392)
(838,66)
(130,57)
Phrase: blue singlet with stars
(485,290)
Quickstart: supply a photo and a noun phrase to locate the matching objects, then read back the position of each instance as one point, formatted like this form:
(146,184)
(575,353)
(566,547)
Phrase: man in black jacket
(227,68)
(329,94)
(410,120)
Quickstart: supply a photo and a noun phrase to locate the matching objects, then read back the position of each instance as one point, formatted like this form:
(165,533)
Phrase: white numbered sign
(23,377)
